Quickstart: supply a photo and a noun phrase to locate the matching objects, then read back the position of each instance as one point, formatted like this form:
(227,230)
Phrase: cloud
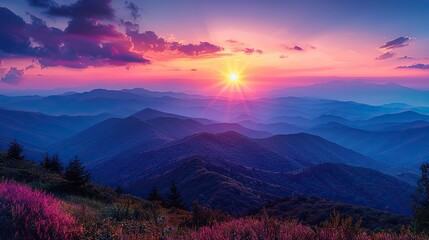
(294,48)
(238,46)
(248,50)
(282,56)
(416,66)
(148,41)
(100,9)
(13,76)
(83,43)
(86,41)
(31,66)
(396,43)
(195,49)
(386,55)
(232,41)
(194,69)
(13,37)
(406,58)
(42,3)
(134,9)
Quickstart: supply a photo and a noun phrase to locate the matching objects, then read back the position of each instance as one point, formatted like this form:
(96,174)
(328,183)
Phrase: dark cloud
(194,69)
(86,41)
(416,66)
(385,56)
(99,9)
(83,43)
(252,51)
(294,48)
(92,28)
(397,43)
(13,76)
(134,9)
(195,49)
(148,41)
(406,58)
(282,56)
(13,37)
(42,3)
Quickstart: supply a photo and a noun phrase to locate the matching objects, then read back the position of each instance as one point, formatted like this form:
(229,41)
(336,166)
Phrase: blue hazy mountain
(142,131)
(359,91)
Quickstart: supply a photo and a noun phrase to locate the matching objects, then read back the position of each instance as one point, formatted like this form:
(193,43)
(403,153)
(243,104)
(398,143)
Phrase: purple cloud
(397,43)
(42,3)
(82,44)
(237,46)
(134,9)
(416,66)
(294,48)
(13,76)
(196,49)
(86,41)
(406,58)
(13,37)
(232,41)
(99,9)
(31,66)
(148,41)
(252,51)
(385,56)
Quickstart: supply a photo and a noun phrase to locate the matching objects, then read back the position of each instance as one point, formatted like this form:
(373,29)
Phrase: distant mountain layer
(40,130)
(360,91)
(125,102)
(142,131)
(407,147)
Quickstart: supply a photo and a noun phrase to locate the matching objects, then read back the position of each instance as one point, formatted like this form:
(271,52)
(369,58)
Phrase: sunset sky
(195,45)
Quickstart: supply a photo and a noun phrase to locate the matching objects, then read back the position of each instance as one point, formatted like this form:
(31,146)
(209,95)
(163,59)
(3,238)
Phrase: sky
(192,45)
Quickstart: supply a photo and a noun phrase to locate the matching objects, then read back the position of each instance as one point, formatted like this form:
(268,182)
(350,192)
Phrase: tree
(76,174)
(118,190)
(56,165)
(46,161)
(15,150)
(421,201)
(154,195)
(174,199)
(52,163)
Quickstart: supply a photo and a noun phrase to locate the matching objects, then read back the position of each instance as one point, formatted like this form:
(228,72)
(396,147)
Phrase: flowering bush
(31,214)
(270,229)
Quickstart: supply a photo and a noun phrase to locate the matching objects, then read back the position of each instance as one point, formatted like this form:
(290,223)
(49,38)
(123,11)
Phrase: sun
(233,77)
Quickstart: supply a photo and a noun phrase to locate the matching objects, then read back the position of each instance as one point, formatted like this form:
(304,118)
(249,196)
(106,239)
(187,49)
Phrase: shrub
(15,150)
(31,214)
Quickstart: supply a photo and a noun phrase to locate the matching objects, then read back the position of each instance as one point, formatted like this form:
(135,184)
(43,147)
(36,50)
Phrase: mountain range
(229,154)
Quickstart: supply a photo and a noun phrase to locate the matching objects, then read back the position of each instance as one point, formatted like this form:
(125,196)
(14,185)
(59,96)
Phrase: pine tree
(55,164)
(76,174)
(52,163)
(174,199)
(46,161)
(154,195)
(118,190)
(15,150)
(421,201)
